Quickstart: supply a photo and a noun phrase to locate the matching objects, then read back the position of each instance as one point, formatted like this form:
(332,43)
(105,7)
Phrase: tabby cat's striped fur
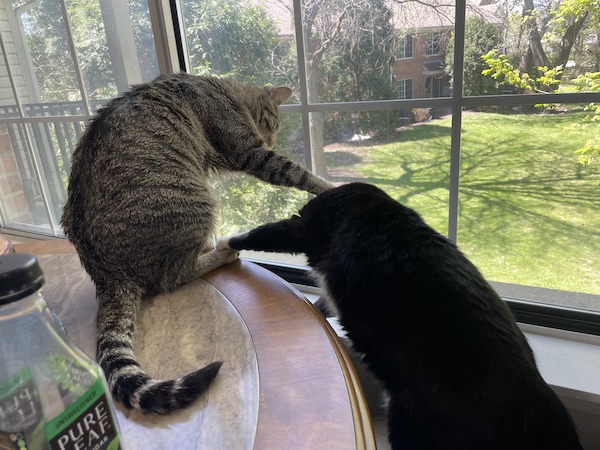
(140,212)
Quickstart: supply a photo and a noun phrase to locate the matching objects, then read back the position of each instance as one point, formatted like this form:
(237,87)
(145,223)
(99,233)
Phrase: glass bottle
(52,395)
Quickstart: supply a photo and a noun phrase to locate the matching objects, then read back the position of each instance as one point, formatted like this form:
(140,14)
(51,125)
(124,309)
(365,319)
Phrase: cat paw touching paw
(223,244)
(229,242)
(226,254)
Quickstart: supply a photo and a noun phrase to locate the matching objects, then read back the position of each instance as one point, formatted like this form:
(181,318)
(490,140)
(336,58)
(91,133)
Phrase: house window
(405,46)
(432,87)
(405,88)
(433,43)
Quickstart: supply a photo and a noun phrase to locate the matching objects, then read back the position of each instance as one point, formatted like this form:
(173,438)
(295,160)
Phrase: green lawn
(529,213)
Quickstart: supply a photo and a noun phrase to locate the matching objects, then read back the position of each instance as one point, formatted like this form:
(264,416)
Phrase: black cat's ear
(281,94)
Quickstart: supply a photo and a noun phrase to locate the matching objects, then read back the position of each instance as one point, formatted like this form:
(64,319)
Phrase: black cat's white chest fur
(458,370)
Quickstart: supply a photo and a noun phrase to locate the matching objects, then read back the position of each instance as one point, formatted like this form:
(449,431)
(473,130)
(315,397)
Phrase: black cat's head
(339,209)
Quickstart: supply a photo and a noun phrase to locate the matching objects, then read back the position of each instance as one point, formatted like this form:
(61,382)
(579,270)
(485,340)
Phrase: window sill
(568,361)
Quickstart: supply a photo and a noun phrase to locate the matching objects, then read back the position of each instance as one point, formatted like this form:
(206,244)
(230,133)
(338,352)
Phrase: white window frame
(170,42)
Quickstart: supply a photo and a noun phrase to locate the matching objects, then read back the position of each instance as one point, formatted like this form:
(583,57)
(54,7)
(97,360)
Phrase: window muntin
(316,111)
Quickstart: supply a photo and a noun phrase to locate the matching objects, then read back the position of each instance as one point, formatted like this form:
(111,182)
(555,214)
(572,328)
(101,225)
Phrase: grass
(528,212)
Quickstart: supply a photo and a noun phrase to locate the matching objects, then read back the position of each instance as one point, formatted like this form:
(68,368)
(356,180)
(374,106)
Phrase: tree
(230,38)
(563,22)
(549,31)
(348,48)
(480,38)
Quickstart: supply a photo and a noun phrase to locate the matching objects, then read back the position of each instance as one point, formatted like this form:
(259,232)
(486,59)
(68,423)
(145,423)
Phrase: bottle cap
(20,276)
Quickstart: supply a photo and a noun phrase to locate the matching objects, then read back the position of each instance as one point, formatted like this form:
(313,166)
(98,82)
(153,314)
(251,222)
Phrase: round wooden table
(287,382)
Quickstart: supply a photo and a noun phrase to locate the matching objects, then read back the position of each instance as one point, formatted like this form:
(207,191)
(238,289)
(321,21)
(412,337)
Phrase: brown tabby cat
(140,212)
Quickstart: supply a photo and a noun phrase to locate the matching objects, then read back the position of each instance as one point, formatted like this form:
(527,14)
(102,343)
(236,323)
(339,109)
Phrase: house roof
(407,14)
(412,15)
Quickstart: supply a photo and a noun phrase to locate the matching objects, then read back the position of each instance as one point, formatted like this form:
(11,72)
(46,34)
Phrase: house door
(432,87)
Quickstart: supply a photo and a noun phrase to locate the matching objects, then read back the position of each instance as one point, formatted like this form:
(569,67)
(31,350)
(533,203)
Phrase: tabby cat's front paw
(223,253)
(226,255)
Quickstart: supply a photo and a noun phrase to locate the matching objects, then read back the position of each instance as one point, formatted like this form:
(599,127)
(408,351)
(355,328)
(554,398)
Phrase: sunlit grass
(528,212)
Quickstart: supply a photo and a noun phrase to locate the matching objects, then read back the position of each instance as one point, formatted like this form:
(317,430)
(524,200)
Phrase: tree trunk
(535,55)
(568,41)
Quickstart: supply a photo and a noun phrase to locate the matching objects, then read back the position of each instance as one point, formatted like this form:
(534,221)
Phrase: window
(405,88)
(405,46)
(46,97)
(433,43)
(509,191)
(433,87)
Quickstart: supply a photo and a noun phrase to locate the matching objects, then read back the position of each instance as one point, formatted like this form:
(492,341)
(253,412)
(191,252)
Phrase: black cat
(459,373)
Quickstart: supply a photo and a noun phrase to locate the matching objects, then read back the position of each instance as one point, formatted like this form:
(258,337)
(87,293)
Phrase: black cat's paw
(223,244)
(231,242)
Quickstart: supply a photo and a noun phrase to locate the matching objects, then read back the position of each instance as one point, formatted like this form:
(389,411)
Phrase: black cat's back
(459,372)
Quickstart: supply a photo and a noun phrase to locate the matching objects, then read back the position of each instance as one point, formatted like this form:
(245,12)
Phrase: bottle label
(87,424)
(20,412)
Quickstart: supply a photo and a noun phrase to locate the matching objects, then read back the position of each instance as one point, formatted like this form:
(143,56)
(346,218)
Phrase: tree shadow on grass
(518,195)
(336,159)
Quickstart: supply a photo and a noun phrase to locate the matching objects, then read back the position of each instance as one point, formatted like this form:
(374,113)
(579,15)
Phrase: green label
(20,409)
(87,424)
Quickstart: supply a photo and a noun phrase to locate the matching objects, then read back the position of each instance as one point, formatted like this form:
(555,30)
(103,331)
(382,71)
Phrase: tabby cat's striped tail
(128,383)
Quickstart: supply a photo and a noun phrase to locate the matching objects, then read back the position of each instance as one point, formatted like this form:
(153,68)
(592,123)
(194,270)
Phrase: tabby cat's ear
(281,94)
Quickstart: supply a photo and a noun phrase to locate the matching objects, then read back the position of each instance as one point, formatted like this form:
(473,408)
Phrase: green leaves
(589,82)
(502,71)
(230,38)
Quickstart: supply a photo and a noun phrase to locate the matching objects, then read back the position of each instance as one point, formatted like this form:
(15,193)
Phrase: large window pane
(412,162)
(529,213)
(113,43)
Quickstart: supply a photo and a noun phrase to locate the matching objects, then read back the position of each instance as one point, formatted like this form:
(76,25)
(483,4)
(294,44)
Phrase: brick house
(424,32)
(418,70)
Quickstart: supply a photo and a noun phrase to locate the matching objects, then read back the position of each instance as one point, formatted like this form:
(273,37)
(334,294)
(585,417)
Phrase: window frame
(171,49)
